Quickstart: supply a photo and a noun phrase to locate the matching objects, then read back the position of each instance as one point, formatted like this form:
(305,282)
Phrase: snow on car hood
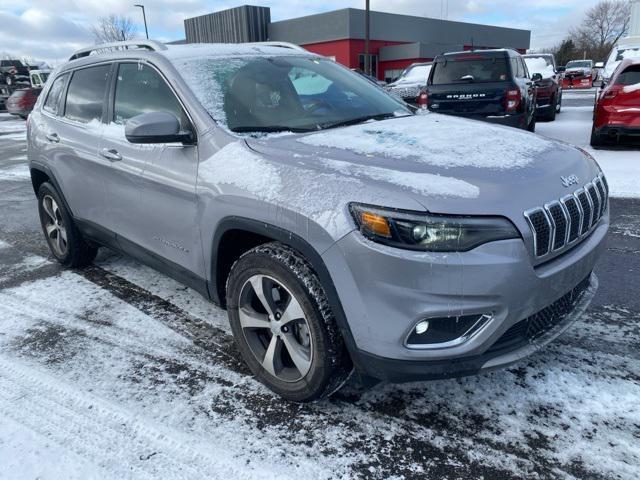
(446,164)
(437,140)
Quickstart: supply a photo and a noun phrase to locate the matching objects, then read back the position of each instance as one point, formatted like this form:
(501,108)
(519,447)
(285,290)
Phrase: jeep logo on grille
(570,180)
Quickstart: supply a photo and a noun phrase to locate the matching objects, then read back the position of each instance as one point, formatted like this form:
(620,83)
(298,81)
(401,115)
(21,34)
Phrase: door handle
(53,137)
(110,154)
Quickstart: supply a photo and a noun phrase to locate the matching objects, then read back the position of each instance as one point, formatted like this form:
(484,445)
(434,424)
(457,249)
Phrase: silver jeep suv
(342,232)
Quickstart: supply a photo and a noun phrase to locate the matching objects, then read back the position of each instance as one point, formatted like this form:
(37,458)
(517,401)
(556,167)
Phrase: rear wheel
(283,325)
(531,126)
(63,237)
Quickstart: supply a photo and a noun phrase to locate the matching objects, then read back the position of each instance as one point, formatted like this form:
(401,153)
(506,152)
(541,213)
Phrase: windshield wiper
(354,121)
(271,129)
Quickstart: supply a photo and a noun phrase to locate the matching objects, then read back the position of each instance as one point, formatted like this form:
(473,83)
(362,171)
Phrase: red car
(21,101)
(617,110)
(578,74)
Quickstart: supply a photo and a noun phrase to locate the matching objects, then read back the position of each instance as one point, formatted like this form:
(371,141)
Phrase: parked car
(489,85)
(549,88)
(14,72)
(628,47)
(411,81)
(38,77)
(617,110)
(578,74)
(338,229)
(21,101)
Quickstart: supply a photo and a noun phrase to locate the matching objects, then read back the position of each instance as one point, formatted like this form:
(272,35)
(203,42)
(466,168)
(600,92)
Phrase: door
(151,193)
(527,86)
(72,128)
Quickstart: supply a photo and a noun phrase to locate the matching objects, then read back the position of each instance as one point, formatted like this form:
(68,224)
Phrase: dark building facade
(236,25)
(396,40)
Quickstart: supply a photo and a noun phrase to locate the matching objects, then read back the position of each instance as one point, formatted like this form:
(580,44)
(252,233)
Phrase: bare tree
(114,28)
(603,25)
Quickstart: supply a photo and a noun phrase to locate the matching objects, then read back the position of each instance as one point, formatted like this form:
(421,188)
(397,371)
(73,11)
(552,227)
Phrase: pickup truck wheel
(532,124)
(283,324)
(63,237)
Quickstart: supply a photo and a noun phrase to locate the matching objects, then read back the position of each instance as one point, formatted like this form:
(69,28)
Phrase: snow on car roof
(174,52)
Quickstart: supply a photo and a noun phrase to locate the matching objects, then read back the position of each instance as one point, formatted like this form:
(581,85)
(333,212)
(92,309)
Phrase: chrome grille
(560,223)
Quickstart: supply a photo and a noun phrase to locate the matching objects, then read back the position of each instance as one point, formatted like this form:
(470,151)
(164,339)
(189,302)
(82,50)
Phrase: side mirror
(599,65)
(156,127)
(536,77)
(562,69)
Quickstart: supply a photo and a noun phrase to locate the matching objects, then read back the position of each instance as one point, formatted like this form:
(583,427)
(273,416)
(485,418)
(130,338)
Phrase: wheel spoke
(63,233)
(252,319)
(257,283)
(50,230)
(47,203)
(272,355)
(59,243)
(292,312)
(297,353)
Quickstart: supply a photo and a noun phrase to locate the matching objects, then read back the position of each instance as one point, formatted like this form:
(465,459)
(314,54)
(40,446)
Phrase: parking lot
(118,371)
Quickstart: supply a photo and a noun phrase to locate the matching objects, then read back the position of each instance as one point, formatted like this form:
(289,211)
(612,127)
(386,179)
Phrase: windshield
(415,74)
(470,69)
(287,93)
(541,65)
(579,64)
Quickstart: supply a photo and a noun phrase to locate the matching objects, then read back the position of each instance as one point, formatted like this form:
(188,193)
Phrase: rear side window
(630,76)
(53,97)
(140,89)
(85,97)
(470,69)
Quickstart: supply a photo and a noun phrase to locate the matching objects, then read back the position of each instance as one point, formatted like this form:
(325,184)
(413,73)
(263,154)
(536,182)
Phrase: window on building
(373,60)
(85,97)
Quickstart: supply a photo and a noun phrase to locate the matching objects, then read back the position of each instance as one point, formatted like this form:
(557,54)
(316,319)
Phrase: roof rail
(126,45)
(292,46)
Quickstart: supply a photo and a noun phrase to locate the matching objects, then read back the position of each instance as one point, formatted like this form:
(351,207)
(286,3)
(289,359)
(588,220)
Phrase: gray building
(396,40)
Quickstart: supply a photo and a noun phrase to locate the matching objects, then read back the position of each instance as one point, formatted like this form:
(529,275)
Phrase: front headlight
(427,232)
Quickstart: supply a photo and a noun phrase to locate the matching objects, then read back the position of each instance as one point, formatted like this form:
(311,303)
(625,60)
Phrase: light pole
(144,17)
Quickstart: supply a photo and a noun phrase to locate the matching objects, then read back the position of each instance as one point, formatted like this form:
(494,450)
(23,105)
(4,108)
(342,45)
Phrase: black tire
(552,111)
(329,363)
(559,104)
(77,252)
(596,138)
(531,127)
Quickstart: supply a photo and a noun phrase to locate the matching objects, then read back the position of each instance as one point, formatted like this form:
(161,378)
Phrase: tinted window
(470,69)
(53,97)
(522,69)
(140,89)
(85,97)
(630,76)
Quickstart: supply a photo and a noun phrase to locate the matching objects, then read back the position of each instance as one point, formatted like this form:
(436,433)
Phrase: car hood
(579,70)
(446,164)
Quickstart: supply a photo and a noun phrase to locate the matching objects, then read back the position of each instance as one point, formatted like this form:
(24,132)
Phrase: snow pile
(438,140)
(539,65)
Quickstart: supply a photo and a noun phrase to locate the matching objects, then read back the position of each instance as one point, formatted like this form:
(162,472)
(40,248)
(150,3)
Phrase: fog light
(422,327)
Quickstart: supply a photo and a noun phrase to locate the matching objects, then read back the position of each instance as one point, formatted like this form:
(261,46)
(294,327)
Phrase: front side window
(53,97)
(631,76)
(470,69)
(85,97)
(140,89)
(284,93)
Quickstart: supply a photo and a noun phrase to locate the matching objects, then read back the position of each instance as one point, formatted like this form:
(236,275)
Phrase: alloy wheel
(54,226)
(275,328)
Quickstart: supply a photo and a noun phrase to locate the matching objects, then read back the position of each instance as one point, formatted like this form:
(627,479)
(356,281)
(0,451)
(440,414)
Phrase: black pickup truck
(489,85)
(13,72)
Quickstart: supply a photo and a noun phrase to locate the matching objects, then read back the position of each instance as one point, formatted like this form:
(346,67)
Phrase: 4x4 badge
(570,180)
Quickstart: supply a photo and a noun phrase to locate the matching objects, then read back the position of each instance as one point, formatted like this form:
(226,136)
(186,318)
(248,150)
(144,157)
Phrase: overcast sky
(51,29)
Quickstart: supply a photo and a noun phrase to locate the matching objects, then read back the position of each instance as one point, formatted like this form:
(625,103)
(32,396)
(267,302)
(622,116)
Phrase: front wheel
(283,324)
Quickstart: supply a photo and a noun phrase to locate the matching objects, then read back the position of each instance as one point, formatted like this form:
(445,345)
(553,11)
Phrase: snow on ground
(620,165)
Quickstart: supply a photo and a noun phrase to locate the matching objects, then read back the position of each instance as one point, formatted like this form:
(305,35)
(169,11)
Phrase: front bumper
(385,292)
(518,120)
